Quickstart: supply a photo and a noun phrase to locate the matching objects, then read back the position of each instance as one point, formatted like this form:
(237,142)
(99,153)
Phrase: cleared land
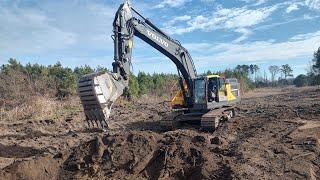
(276,135)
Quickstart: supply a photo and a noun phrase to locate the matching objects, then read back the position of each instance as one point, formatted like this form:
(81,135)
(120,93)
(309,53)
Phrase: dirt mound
(146,155)
(39,167)
(138,115)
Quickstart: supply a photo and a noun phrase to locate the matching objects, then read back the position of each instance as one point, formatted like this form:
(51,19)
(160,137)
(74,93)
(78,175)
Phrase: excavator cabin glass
(200,91)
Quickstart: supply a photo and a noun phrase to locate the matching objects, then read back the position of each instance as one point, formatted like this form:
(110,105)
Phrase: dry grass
(35,108)
(24,99)
(40,108)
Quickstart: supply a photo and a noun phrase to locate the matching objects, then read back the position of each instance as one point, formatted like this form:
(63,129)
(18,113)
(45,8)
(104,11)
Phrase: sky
(219,34)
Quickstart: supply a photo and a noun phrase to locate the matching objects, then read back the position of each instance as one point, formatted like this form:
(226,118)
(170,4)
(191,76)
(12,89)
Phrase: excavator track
(210,123)
(170,122)
(97,93)
(211,120)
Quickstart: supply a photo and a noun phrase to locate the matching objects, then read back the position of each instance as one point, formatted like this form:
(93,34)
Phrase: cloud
(208,1)
(297,46)
(178,19)
(152,64)
(305,36)
(306,17)
(245,34)
(78,32)
(226,54)
(171,3)
(254,2)
(48,30)
(292,7)
(313,4)
(247,17)
(27,30)
(309,17)
(235,19)
(182,18)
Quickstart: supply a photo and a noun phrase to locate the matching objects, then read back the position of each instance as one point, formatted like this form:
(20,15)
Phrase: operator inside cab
(213,90)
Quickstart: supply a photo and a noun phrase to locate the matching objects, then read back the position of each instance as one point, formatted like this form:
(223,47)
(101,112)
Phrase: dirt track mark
(17,151)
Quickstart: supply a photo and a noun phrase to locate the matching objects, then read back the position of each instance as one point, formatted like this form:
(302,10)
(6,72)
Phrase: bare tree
(286,70)
(274,70)
(255,69)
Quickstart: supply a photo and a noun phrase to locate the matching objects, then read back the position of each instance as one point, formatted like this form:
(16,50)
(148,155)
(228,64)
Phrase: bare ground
(276,135)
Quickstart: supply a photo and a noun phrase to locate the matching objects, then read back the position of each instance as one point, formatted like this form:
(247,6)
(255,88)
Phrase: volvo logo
(157,38)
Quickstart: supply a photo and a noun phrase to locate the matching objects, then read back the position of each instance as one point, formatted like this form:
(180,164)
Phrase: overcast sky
(219,34)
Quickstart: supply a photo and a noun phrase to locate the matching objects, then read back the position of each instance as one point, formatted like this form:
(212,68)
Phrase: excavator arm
(98,91)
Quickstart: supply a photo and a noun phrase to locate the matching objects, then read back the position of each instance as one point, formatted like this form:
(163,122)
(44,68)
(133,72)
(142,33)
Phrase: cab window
(200,91)
(222,83)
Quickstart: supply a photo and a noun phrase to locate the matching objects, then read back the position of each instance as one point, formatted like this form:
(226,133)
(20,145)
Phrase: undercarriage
(206,121)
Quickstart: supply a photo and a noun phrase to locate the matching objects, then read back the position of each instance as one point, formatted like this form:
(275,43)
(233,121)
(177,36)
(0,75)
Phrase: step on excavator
(203,100)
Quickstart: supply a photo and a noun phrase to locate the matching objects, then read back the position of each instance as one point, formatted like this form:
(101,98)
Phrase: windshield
(199,91)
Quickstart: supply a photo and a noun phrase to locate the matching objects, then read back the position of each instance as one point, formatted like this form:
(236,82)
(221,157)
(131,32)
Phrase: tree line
(59,81)
(18,81)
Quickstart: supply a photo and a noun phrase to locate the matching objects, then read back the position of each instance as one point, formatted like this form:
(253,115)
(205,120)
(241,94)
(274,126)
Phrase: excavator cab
(210,91)
(214,91)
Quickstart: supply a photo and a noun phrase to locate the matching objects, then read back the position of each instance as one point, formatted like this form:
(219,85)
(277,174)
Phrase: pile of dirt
(142,114)
(38,167)
(148,155)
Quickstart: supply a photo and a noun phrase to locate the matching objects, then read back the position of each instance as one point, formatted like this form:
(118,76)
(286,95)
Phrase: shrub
(301,80)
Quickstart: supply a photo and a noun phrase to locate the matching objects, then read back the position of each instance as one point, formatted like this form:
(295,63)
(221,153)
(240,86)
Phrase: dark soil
(273,137)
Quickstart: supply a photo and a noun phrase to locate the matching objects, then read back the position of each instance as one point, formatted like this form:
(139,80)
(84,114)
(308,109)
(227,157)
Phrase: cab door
(200,96)
(200,93)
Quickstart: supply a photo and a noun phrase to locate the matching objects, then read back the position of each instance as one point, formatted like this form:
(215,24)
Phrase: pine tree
(133,86)
(316,61)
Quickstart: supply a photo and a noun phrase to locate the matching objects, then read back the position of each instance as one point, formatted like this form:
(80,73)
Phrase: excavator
(205,100)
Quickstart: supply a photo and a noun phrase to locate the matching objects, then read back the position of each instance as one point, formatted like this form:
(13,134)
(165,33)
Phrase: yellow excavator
(203,100)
